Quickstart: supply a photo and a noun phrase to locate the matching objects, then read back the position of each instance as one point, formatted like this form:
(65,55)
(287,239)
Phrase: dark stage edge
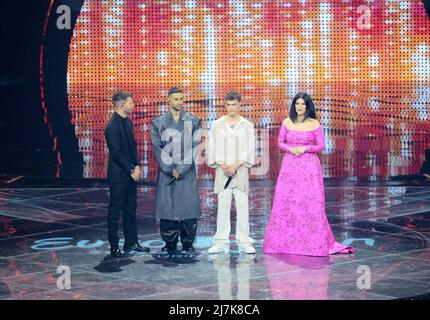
(47,223)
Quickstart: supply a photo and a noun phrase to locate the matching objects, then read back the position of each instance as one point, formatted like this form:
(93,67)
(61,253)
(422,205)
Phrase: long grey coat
(178,200)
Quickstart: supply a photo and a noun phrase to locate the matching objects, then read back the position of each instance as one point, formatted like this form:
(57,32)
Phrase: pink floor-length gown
(298,222)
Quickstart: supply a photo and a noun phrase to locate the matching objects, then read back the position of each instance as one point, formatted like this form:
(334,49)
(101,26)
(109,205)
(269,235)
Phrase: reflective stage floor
(44,228)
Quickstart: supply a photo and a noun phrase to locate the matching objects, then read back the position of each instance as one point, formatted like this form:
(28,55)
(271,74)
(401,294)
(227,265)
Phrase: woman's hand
(300,150)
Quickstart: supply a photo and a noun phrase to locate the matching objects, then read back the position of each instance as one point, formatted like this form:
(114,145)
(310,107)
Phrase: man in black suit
(123,172)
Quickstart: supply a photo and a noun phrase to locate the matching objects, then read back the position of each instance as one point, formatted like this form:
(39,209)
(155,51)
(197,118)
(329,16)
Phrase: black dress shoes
(136,247)
(115,252)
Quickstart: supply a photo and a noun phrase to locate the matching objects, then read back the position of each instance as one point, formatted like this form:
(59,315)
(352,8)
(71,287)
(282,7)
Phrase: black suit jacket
(120,163)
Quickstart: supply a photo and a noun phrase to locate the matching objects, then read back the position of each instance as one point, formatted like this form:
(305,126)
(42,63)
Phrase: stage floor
(43,228)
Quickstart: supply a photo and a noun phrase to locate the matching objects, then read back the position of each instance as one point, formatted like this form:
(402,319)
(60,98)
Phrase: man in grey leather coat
(175,138)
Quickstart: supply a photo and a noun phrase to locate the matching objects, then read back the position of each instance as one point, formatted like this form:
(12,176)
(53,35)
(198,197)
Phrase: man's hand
(135,174)
(224,167)
(228,172)
(176,174)
(231,169)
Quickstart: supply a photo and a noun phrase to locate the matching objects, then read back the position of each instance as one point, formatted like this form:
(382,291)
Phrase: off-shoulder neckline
(301,130)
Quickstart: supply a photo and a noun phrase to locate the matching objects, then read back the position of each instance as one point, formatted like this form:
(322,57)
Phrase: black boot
(135,247)
(188,234)
(169,252)
(191,251)
(165,249)
(115,252)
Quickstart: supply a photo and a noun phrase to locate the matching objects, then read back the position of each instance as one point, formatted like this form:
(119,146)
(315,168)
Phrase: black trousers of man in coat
(171,230)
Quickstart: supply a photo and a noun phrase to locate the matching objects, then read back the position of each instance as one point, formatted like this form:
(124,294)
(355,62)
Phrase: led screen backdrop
(365,63)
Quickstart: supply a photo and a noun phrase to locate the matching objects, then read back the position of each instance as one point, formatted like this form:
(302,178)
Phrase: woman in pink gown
(298,223)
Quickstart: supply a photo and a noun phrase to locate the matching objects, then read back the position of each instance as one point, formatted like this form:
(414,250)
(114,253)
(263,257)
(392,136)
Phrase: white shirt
(227,145)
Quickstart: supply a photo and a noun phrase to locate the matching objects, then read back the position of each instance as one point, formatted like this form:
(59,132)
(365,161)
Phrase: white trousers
(222,234)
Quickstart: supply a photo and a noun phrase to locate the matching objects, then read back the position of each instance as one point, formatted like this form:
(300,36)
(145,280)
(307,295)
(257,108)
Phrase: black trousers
(122,200)
(171,230)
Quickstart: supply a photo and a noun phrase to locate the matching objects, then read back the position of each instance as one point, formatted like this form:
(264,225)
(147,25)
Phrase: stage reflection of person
(222,265)
(297,277)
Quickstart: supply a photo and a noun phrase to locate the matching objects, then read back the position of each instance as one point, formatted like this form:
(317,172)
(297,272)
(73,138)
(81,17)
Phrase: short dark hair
(232,95)
(120,96)
(174,90)
(310,108)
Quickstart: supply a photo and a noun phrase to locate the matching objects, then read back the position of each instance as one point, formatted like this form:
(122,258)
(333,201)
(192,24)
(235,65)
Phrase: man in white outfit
(231,151)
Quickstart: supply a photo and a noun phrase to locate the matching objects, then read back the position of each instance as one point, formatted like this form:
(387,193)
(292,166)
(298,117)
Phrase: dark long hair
(310,108)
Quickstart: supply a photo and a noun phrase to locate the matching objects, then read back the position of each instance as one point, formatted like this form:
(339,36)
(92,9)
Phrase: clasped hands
(297,151)
(135,173)
(230,170)
(176,174)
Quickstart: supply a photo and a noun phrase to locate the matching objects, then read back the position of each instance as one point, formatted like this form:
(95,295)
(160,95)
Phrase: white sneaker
(218,248)
(246,248)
